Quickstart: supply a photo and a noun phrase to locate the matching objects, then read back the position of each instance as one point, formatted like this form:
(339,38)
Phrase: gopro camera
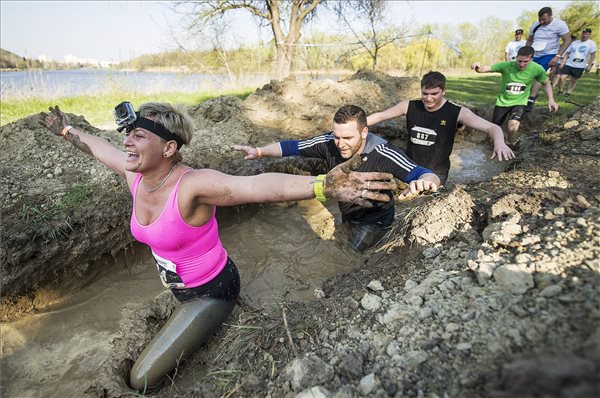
(124,115)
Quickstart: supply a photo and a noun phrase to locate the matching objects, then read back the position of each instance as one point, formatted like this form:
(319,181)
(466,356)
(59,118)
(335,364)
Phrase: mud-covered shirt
(378,156)
(431,136)
(515,85)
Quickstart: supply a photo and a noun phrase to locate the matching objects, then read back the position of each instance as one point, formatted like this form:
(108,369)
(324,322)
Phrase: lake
(65,83)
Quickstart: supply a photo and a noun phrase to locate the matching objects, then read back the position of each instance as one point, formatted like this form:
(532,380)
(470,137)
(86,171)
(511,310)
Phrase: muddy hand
(360,188)
(417,186)
(251,152)
(54,121)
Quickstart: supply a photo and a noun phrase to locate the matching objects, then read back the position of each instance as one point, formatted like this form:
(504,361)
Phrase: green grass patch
(97,109)
(482,90)
(50,219)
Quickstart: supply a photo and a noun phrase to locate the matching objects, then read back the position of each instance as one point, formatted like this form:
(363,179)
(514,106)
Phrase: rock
(308,371)
(414,358)
(513,278)
(351,365)
(319,293)
(501,232)
(370,302)
(410,284)
(375,286)
(432,252)
(551,291)
(425,313)
(485,272)
(367,384)
(315,392)
(571,124)
(583,202)
(463,346)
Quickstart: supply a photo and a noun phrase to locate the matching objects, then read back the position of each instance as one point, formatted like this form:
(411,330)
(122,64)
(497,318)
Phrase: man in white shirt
(510,53)
(574,62)
(544,37)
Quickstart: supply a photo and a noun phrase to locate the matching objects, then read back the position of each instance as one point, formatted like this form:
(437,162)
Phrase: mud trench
(283,252)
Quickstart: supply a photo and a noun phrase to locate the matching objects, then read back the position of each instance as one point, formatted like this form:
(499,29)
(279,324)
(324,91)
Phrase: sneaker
(559,93)
(530,103)
(567,95)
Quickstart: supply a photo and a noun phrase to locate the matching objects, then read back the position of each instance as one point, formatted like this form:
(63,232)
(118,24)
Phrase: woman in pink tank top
(174,214)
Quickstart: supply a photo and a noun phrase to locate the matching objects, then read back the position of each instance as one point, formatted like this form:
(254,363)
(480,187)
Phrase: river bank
(480,289)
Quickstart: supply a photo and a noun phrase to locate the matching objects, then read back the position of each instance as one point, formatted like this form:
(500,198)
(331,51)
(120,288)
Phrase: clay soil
(487,289)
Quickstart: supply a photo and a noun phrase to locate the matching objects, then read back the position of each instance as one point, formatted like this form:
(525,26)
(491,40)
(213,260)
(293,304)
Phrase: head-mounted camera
(124,116)
(127,118)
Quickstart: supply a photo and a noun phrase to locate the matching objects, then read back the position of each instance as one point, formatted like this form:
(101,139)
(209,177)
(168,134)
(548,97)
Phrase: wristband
(258,152)
(558,55)
(319,188)
(65,130)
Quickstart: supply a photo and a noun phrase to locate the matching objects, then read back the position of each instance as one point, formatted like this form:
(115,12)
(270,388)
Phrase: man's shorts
(501,112)
(544,60)
(569,70)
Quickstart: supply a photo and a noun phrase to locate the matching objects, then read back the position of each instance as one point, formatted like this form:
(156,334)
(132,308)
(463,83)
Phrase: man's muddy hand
(346,185)
(251,152)
(54,121)
(416,187)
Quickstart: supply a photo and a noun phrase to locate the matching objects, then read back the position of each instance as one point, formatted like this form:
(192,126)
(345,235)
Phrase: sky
(118,31)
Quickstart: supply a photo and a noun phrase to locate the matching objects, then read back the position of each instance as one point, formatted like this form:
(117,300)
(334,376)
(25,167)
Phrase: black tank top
(431,136)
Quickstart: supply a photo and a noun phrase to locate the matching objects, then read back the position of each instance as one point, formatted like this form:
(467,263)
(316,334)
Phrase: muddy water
(283,252)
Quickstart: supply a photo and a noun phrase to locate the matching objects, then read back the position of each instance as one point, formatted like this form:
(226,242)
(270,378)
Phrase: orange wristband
(65,130)
(258,152)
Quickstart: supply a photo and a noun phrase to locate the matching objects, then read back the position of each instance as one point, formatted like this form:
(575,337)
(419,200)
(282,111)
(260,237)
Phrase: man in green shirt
(517,78)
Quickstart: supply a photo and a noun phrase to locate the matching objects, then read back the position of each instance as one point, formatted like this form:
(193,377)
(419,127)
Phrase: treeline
(438,46)
(12,61)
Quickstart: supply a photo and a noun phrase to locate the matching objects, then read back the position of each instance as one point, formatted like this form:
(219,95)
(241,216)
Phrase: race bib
(168,273)
(515,88)
(422,136)
(577,60)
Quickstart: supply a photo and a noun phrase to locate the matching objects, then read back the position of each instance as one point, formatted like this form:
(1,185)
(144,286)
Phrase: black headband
(156,128)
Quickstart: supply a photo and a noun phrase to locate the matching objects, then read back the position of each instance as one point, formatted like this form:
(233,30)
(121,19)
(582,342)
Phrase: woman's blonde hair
(173,117)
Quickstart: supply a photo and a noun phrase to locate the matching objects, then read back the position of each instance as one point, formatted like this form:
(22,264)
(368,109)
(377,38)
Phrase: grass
(51,219)
(97,109)
(482,90)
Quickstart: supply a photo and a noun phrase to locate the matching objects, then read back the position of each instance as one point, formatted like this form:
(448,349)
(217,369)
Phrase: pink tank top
(186,256)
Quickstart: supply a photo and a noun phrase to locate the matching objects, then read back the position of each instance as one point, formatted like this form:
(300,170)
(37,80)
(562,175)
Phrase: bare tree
(281,16)
(369,14)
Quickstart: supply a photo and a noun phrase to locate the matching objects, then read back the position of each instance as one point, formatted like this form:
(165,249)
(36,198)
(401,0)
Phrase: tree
(279,15)
(377,34)
(580,15)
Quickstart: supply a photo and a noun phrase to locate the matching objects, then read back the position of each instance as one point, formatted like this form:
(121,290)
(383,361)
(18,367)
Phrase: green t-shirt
(516,84)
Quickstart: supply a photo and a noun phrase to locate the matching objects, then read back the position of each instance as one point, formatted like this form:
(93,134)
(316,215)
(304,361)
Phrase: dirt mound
(301,108)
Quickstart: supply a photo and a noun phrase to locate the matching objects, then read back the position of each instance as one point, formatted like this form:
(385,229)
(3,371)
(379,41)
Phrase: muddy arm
(58,123)
(211,187)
